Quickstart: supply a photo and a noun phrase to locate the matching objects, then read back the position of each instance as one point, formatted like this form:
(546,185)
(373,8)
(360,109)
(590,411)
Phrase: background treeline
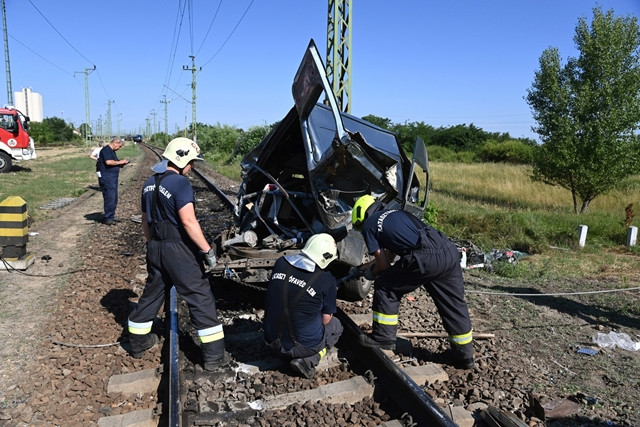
(226,144)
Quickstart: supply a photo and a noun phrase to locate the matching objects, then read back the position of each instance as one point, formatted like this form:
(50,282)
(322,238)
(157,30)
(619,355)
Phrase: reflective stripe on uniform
(385,319)
(139,328)
(322,352)
(462,339)
(211,334)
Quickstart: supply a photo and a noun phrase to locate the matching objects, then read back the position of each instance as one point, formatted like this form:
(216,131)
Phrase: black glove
(355,273)
(369,274)
(209,258)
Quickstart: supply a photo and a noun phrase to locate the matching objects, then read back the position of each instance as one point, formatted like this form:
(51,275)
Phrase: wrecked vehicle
(304,177)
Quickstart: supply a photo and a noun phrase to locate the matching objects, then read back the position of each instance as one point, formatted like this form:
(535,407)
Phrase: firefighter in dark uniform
(176,248)
(427,258)
(299,306)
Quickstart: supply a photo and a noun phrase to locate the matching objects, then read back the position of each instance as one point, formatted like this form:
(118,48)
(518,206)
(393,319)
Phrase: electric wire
(60,34)
(209,29)
(230,34)
(40,56)
(554,294)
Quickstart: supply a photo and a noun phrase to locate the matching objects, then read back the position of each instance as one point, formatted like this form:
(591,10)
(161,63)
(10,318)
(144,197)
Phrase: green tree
(61,131)
(85,130)
(41,133)
(382,122)
(588,109)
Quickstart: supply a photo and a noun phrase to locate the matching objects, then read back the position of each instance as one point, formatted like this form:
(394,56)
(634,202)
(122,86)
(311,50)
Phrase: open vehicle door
(416,195)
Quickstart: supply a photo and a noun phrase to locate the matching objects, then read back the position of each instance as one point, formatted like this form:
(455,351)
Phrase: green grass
(58,172)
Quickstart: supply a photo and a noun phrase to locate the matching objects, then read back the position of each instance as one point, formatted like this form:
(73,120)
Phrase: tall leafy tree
(588,110)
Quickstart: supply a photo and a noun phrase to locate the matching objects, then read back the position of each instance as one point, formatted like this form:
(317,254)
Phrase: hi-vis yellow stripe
(13,217)
(139,328)
(14,232)
(385,319)
(462,339)
(322,352)
(212,337)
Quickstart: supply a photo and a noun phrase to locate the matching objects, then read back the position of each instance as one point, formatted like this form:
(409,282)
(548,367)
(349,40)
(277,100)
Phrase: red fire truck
(15,142)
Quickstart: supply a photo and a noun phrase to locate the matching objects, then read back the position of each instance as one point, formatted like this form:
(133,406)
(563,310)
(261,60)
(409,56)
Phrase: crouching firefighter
(176,250)
(427,258)
(300,304)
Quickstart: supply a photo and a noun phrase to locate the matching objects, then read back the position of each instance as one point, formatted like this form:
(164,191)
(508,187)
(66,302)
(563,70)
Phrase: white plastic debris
(614,339)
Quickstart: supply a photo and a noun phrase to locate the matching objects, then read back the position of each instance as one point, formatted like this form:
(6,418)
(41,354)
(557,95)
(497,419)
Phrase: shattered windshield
(322,131)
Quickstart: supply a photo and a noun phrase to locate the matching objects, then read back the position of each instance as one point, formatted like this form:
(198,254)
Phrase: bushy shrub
(247,140)
(509,151)
(444,154)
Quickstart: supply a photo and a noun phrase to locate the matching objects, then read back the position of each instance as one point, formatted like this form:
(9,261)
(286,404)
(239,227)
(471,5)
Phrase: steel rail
(171,311)
(175,413)
(396,383)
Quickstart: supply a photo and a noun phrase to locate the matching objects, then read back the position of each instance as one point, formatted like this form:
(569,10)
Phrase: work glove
(209,258)
(355,273)
(369,274)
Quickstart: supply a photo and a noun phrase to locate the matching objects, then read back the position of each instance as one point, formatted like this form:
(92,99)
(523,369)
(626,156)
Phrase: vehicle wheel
(5,162)
(356,289)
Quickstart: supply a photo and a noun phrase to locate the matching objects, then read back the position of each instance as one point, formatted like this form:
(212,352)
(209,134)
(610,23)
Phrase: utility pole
(166,101)
(87,114)
(119,119)
(109,127)
(338,65)
(193,90)
(154,114)
(7,64)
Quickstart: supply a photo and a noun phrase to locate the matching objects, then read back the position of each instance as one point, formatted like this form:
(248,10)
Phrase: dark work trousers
(171,262)
(109,187)
(441,276)
(314,354)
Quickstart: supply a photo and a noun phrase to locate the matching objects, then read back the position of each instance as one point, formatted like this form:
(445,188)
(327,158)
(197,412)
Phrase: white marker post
(582,235)
(632,236)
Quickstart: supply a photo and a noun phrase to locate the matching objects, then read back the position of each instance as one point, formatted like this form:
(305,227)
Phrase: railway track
(365,386)
(75,368)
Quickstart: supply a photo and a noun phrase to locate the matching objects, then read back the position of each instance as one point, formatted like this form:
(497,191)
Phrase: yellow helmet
(321,249)
(180,151)
(359,211)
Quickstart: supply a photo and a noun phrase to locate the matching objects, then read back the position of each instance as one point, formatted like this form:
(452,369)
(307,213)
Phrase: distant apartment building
(29,103)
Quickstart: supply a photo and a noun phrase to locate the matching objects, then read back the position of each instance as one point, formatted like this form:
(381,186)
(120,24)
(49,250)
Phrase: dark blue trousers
(109,187)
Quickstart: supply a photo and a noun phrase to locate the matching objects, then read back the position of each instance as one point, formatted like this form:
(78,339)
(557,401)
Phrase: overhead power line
(60,34)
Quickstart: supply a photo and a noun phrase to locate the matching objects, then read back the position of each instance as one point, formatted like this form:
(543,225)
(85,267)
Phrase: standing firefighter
(427,258)
(300,303)
(175,248)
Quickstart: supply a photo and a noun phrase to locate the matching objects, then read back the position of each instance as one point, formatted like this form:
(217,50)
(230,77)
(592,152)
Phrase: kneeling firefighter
(176,250)
(427,258)
(300,304)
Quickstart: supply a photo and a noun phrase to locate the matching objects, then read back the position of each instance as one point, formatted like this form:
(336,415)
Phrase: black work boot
(461,356)
(214,355)
(141,343)
(305,366)
(366,341)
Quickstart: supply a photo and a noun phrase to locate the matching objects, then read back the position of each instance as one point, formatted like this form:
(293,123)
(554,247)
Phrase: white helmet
(180,151)
(321,249)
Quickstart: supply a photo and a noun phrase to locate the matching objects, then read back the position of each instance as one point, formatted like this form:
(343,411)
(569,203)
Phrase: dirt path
(26,297)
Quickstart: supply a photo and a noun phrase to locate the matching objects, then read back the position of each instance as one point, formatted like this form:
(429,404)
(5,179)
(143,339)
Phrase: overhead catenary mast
(338,63)
(6,54)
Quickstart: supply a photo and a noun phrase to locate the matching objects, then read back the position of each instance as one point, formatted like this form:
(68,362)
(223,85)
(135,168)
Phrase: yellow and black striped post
(14,231)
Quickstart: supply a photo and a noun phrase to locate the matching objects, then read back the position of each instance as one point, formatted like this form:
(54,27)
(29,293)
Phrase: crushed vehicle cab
(304,177)
(15,142)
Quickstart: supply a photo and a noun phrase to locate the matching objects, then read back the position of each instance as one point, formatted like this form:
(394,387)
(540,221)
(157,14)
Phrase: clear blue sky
(439,62)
